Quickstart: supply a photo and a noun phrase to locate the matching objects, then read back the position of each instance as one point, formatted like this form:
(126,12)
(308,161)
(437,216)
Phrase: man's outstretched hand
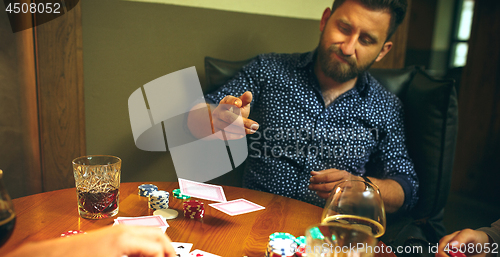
(231,116)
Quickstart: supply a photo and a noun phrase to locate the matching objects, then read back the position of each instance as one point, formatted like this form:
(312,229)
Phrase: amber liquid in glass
(96,205)
(364,223)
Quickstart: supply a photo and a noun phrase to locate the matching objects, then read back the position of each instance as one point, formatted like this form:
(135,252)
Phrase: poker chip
(279,244)
(301,240)
(281,235)
(281,247)
(301,246)
(301,251)
(158,200)
(166,213)
(72,233)
(193,209)
(177,194)
(316,233)
(146,189)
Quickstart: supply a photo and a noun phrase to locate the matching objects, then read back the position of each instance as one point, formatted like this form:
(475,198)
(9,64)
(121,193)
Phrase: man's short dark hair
(397,9)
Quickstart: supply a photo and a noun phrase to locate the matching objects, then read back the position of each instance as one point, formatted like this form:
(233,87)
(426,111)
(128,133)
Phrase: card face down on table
(201,190)
(237,207)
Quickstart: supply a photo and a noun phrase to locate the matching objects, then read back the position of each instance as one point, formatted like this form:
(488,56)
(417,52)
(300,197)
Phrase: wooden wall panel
(477,163)
(61,103)
(19,144)
(29,110)
(395,59)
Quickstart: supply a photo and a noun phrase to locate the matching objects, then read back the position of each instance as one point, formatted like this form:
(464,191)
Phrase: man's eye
(364,41)
(344,29)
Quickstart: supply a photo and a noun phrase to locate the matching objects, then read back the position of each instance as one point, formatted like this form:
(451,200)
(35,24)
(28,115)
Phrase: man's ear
(324,18)
(385,49)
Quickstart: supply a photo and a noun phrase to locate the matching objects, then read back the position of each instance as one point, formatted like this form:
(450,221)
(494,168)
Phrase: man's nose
(349,46)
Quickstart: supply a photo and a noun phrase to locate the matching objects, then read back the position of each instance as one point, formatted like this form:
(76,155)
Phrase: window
(460,38)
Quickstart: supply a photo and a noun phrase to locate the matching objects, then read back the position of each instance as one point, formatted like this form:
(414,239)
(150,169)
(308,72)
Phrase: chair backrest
(431,122)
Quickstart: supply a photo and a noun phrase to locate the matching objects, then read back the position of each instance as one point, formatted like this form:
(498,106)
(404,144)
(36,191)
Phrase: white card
(200,253)
(148,221)
(182,248)
(202,190)
(237,207)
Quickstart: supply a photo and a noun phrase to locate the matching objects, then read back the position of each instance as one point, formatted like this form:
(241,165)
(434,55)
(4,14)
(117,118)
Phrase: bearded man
(317,118)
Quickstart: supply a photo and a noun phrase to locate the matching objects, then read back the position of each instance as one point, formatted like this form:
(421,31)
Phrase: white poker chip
(160,194)
(166,213)
(159,200)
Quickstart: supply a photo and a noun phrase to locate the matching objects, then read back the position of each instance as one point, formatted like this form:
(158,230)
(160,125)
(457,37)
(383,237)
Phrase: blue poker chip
(147,189)
(148,186)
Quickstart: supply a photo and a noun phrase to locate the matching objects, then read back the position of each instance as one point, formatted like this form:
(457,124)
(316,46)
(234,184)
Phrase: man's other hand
(324,181)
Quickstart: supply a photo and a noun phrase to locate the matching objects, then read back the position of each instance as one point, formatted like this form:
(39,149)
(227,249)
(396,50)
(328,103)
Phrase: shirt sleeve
(391,160)
(493,232)
(248,79)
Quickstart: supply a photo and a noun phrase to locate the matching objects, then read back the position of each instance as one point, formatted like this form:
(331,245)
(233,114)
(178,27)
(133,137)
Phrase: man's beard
(337,70)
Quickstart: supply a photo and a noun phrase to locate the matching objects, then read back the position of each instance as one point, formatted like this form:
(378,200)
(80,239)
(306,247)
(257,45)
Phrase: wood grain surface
(47,215)
(476,169)
(59,73)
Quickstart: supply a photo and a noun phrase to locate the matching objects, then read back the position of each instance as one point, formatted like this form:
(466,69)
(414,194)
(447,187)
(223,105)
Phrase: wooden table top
(47,215)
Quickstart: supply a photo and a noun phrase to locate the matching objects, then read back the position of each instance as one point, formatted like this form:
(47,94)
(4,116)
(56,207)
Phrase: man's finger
(246,98)
(227,127)
(228,117)
(251,125)
(231,100)
(442,244)
(323,194)
(326,187)
(326,176)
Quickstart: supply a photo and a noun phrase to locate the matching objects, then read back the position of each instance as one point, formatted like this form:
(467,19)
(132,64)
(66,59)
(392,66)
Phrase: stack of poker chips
(158,200)
(146,189)
(179,195)
(194,209)
(279,245)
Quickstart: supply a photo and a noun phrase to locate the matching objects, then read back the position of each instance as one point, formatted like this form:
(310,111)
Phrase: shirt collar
(307,59)
(363,83)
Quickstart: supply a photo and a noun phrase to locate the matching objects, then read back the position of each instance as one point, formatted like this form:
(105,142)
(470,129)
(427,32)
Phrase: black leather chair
(431,121)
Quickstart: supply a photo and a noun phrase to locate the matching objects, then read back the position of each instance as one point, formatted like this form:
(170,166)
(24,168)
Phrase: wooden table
(47,215)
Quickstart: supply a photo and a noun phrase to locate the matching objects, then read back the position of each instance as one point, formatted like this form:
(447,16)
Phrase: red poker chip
(72,233)
(193,204)
(301,251)
(456,253)
(194,214)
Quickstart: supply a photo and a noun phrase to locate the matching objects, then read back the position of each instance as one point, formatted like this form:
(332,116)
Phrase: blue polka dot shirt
(361,131)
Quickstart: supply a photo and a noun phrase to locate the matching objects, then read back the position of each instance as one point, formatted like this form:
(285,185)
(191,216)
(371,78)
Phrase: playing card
(200,253)
(202,190)
(237,207)
(149,221)
(182,248)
